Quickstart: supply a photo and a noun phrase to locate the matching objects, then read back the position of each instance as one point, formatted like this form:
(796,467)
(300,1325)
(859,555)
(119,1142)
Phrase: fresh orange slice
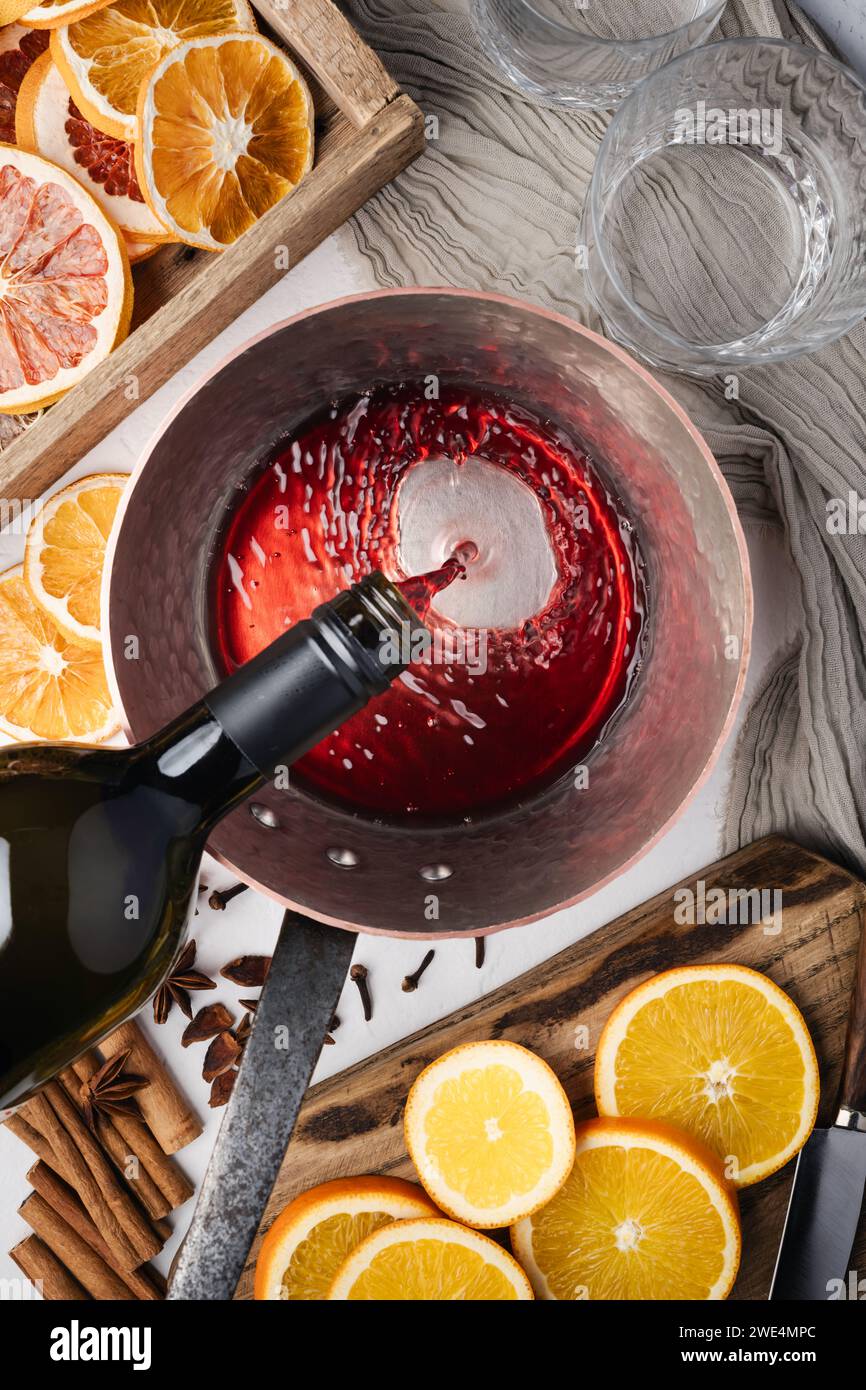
(430,1261)
(53,13)
(720,1051)
(644,1214)
(490,1132)
(226,130)
(19,48)
(50,688)
(48,122)
(65,286)
(314,1234)
(105,57)
(65,552)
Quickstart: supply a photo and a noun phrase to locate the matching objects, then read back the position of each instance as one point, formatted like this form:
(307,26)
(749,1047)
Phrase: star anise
(175,989)
(109,1091)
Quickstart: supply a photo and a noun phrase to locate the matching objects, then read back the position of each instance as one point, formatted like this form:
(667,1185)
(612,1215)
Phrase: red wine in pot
(449,738)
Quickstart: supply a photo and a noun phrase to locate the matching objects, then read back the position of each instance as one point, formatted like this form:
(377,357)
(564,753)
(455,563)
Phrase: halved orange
(65,285)
(48,123)
(314,1234)
(105,57)
(19,48)
(490,1131)
(65,552)
(644,1214)
(430,1261)
(720,1051)
(225,131)
(51,14)
(50,688)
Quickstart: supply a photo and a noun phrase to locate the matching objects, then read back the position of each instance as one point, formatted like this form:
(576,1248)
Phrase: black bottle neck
(284,701)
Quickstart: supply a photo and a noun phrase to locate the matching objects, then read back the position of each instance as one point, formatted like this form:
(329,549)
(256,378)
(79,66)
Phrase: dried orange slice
(720,1051)
(65,286)
(65,552)
(105,58)
(48,122)
(430,1261)
(644,1214)
(19,48)
(53,13)
(314,1234)
(140,250)
(490,1131)
(50,688)
(226,130)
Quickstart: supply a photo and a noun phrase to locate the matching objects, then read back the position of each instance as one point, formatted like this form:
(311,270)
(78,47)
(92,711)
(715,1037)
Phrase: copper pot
(356,872)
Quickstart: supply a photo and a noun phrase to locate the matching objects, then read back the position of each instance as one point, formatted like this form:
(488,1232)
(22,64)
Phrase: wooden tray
(352,1123)
(366,132)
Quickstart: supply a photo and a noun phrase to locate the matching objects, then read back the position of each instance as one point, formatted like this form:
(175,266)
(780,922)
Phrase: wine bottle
(100,848)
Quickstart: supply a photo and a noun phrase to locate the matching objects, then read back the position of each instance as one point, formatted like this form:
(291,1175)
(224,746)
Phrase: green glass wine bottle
(100,848)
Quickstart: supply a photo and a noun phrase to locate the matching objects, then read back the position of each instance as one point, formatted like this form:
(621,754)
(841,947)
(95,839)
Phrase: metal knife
(829,1180)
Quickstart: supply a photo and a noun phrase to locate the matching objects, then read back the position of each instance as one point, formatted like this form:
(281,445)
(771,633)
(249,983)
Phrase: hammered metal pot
(564,844)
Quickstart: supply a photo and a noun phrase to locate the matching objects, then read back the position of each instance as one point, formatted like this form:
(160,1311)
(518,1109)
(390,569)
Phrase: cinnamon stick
(80,1259)
(161,1185)
(41,1116)
(43,1269)
(18,1126)
(140,1234)
(144,1283)
(171,1119)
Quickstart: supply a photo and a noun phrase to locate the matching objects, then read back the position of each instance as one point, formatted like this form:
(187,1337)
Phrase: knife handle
(852,1088)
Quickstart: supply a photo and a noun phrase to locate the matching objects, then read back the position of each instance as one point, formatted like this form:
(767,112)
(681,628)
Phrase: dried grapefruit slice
(65,286)
(48,122)
(225,131)
(50,688)
(52,13)
(19,48)
(65,553)
(106,57)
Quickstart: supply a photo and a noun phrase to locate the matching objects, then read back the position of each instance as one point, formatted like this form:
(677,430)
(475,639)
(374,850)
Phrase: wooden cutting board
(351,1124)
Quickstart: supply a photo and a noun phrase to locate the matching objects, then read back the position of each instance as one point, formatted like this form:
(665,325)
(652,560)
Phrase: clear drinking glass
(726,220)
(589,53)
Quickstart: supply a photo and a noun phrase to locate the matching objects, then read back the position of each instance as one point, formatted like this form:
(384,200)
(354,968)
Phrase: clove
(479,952)
(410,982)
(358,973)
(218,900)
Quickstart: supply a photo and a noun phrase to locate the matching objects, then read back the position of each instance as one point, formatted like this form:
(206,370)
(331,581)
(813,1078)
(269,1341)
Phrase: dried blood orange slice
(105,57)
(65,285)
(48,122)
(19,49)
(52,13)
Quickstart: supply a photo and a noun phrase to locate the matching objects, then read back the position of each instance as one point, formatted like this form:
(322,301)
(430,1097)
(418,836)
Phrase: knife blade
(827,1195)
(307,971)
(823,1214)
